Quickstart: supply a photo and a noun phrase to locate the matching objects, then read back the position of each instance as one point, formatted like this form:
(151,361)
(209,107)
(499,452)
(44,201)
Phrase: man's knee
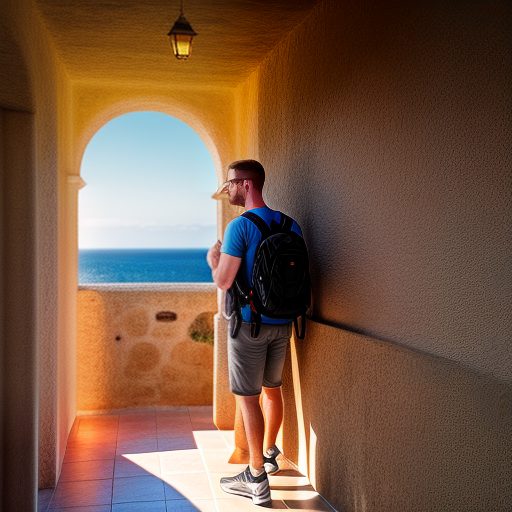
(272,393)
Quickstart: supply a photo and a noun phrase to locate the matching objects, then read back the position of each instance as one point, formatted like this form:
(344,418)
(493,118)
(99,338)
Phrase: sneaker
(244,484)
(269,461)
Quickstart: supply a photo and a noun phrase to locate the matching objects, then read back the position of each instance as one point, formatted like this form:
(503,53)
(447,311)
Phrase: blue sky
(149,184)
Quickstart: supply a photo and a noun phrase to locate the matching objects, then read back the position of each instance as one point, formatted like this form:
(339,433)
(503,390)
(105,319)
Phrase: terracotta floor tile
(177,443)
(44,497)
(136,446)
(134,424)
(136,434)
(174,429)
(189,485)
(138,488)
(200,409)
(85,453)
(183,415)
(92,444)
(191,506)
(94,508)
(137,464)
(87,470)
(84,493)
(97,423)
(181,461)
(94,436)
(140,506)
(316,504)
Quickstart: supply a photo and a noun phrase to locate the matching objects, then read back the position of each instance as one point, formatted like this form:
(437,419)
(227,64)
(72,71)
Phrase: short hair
(255,170)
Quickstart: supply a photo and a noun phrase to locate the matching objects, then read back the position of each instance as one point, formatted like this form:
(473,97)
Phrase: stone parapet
(141,345)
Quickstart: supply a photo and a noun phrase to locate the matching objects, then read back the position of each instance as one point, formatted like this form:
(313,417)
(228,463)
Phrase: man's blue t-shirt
(241,239)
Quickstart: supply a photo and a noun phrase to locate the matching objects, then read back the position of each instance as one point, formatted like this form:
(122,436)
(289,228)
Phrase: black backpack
(281,285)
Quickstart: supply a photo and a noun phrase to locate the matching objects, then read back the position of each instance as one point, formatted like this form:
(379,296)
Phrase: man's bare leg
(254,428)
(240,454)
(272,406)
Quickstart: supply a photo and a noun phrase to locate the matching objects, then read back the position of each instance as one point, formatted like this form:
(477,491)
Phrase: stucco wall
(126,357)
(382,428)
(389,139)
(32,79)
(386,131)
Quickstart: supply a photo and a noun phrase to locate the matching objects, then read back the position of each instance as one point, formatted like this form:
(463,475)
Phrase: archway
(150,179)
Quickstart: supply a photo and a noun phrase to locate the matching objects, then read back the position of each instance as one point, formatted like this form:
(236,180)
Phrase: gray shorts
(257,362)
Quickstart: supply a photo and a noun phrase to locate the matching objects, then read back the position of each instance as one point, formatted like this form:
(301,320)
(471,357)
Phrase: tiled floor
(161,461)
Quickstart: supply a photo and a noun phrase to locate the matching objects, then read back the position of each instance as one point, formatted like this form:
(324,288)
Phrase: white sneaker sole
(257,500)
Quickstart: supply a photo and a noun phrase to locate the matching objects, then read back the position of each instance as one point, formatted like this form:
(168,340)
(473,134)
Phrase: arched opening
(146,214)
(144,230)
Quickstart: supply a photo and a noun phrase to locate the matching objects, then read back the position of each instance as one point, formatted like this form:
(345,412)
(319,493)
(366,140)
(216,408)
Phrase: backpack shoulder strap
(259,223)
(286,223)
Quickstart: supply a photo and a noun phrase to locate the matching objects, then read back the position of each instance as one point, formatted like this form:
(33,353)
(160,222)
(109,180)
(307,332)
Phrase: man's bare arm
(224,267)
(226,271)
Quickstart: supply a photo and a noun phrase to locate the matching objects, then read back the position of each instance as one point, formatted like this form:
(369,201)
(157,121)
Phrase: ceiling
(125,41)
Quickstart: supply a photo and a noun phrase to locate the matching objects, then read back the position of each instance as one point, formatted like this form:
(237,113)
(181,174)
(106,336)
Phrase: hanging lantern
(181,35)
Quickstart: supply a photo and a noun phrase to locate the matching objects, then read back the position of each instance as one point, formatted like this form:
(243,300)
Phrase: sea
(143,266)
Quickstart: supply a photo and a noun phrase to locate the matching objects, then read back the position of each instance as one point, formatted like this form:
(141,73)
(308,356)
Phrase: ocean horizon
(143,266)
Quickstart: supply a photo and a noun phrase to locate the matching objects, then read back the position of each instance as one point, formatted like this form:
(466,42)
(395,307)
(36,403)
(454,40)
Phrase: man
(255,364)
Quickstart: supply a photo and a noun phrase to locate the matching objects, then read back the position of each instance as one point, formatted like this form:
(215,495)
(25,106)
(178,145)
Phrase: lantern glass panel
(181,45)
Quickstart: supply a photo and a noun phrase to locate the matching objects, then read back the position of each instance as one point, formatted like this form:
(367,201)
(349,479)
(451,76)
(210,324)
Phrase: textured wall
(382,428)
(388,135)
(208,111)
(32,79)
(386,131)
(126,358)
(18,354)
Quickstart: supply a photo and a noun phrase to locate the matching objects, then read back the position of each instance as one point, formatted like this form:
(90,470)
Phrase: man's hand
(213,255)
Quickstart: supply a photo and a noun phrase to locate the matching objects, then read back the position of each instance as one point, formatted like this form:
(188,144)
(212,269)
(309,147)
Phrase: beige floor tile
(218,493)
(189,485)
(287,479)
(303,493)
(216,461)
(229,437)
(210,439)
(181,461)
(240,504)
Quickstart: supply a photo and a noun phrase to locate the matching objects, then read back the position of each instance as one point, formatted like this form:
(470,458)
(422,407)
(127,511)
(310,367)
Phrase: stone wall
(145,345)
